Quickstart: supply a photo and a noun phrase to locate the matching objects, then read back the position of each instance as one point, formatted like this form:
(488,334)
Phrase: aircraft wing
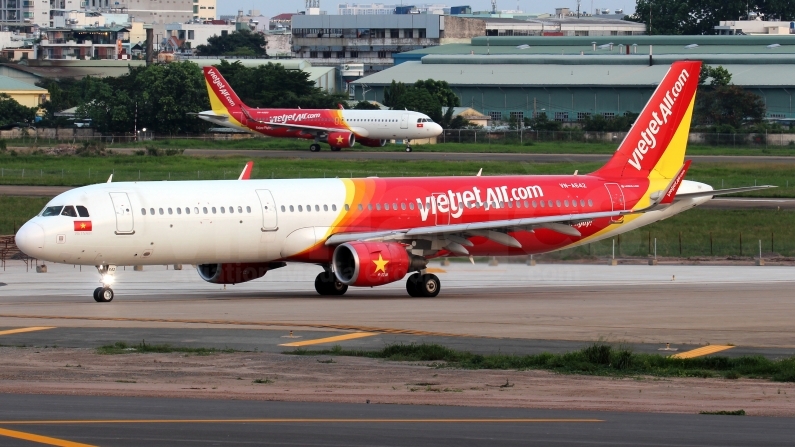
(493,230)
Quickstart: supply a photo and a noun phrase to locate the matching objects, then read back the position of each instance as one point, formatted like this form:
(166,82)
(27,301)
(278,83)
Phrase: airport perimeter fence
(59,137)
(528,137)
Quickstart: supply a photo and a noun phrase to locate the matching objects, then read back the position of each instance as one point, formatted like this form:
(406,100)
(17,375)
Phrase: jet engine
(341,139)
(234,273)
(369,142)
(367,264)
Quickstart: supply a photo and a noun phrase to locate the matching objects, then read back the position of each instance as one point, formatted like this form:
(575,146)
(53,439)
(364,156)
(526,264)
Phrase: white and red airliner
(339,128)
(373,231)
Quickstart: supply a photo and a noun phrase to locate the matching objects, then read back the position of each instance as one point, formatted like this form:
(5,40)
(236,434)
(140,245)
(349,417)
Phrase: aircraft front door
(123,209)
(404,121)
(270,220)
(616,198)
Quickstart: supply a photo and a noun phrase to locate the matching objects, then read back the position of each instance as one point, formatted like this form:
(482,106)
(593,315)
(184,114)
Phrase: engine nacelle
(369,142)
(367,264)
(234,273)
(341,139)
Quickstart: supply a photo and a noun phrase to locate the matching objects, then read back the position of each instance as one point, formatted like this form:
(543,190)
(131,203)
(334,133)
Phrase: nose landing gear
(105,294)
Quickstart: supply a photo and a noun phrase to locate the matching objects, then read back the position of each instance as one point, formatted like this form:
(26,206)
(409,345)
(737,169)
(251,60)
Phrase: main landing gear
(419,285)
(327,284)
(105,294)
(314,147)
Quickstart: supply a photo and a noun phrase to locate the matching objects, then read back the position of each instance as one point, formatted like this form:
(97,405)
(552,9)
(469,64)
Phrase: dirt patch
(266,376)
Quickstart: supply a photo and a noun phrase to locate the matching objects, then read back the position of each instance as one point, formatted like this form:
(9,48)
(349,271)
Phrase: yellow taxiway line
(706,350)
(301,421)
(320,341)
(40,439)
(25,329)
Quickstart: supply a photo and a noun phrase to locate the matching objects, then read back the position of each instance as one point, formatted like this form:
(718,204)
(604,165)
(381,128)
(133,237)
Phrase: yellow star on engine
(380,264)
(340,139)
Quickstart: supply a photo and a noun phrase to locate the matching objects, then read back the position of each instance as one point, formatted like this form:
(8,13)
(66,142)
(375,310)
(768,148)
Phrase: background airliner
(339,128)
(374,231)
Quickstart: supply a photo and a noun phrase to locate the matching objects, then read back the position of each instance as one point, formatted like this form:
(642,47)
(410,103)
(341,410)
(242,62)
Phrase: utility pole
(494,6)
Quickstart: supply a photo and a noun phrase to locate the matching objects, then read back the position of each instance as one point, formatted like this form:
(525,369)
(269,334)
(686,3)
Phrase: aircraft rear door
(616,198)
(270,220)
(123,209)
(404,121)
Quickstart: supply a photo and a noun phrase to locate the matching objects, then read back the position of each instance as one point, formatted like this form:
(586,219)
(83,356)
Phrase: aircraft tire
(412,285)
(408,148)
(429,286)
(103,294)
(314,147)
(329,286)
(335,149)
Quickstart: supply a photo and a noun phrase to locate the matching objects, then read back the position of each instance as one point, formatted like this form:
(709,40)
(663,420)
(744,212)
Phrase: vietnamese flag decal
(419,124)
(82,225)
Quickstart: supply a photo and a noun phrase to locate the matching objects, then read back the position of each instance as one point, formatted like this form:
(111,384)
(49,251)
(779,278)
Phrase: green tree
(237,43)
(441,91)
(542,123)
(393,92)
(366,105)
(12,112)
(717,76)
(420,100)
(729,108)
(600,123)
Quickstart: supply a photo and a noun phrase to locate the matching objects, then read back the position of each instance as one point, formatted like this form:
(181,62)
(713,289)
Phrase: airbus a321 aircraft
(373,231)
(339,128)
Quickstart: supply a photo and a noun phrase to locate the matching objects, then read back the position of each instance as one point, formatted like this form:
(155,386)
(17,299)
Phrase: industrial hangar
(569,78)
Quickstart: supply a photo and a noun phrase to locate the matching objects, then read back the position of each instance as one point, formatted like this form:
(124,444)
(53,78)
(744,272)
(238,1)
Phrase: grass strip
(121,347)
(598,359)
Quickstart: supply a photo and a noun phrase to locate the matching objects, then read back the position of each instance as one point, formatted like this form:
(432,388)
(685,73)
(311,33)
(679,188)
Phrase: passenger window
(283,210)
(152,211)
(231,210)
(213,210)
(325,207)
(510,204)
(551,204)
(347,208)
(82,211)
(534,204)
(333,207)
(195,210)
(403,205)
(292,209)
(52,211)
(378,207)
(179,210)
(248,209)
(69,211)
(582,203)
(240,209)
(386,206)
(204,208)
(590,202)
(143,211)
(300,208)
(360,207)
(542,204)
(317,207)
(187,210)
(526,205)
(170,211)
(411,205)
(223,210)
(394,206)
(160,210)
(566,203)
(308,208)
(369,206)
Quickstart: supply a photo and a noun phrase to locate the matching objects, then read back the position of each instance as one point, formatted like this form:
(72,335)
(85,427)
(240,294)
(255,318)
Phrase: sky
(270,8)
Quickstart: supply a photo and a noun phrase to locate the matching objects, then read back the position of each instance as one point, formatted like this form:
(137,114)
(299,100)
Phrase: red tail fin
(222,97)
(660,130)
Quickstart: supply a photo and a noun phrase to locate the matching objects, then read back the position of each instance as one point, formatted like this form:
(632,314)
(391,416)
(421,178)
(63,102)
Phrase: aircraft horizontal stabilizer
(722,192)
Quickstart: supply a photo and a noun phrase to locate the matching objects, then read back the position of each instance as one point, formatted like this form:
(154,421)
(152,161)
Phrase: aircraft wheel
(335,149)
(103,294)
(314,147)
(412,285)
(408,148)
(327,284)
(428,286)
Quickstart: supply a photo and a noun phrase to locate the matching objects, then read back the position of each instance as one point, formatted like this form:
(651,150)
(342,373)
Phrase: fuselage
(214,221)
(365,124)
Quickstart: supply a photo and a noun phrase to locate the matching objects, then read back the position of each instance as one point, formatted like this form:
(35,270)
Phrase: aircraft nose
(437,129)
(30,239)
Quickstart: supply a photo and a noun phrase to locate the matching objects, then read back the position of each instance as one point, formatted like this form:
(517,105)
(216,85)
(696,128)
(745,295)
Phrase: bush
(3,146)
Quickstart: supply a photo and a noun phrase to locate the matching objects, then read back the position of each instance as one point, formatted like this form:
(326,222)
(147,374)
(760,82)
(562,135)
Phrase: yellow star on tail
(380,264)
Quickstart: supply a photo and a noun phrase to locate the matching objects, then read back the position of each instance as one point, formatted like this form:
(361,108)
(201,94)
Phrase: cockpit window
(52,211)
(82,211)
(69,211)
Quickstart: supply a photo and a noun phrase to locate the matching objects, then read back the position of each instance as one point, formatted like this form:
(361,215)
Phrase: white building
(156,12)
(25,12)
(191,35)
(355,9)
(755,27)
(204,10)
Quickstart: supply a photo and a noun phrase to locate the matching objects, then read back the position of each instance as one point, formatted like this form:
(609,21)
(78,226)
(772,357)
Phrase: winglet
(110,179)
(670,193)
(340,106)
(246,174)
